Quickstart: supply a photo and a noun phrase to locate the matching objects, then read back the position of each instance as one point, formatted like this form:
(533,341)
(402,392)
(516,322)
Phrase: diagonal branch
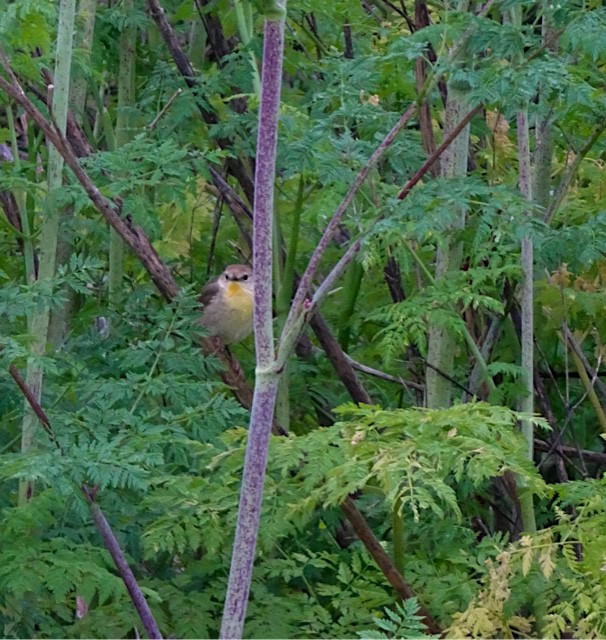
(104,528)
(29,395)
(403,589)
(576,347)
(126,573)
(428,164)
(571,171)
(296,319)
(339,360)
(294,316)
(235,165)
(134,236)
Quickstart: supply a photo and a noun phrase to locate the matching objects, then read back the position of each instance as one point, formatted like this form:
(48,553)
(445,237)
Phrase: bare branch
(111,542)
(128,577)
(209,116)
(571,171)
(339,360)
(134,236)
(438,152)
(333,225)
(403,589)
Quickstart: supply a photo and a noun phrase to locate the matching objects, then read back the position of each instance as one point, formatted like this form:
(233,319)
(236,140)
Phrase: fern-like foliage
(400,622)
(131,407)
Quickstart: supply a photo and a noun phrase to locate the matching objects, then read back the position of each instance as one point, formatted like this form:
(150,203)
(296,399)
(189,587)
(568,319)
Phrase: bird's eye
(245,277)
(226,277)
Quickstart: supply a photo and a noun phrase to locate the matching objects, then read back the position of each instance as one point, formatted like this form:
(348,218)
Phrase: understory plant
(413,182)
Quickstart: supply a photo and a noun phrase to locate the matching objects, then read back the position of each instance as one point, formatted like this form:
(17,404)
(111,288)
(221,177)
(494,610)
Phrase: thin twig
(152,125)
(462,387)
(190,77)
(565,450)
(576,347)
(402,13)
(383,376)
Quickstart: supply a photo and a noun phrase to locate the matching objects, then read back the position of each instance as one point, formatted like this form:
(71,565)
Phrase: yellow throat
(240,301)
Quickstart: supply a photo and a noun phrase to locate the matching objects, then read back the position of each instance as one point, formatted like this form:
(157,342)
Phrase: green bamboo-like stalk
(442,341)
(527,316)
(287,280)
(526,402)
(480,361)
(49,228)
(544,133)
(126,99)
(282,306)
(284,287)
(243,10)
(543,161)
(85,21)
(398,536)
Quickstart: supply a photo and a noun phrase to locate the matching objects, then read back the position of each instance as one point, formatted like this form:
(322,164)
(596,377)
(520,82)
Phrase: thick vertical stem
(527,320)
(87,12)
(442,341)
(85,25)
(251,496)
(126,99)
(267,376)
(50,224)
(264,191)
(543,155)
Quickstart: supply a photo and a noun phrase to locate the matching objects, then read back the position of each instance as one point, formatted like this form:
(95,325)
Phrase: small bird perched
(228,304)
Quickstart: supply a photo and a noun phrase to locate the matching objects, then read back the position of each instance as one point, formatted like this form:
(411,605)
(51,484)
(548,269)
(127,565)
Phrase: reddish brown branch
(339,360)
(35,405)
(132,235)
(372,544)
(437,153)
(235,166)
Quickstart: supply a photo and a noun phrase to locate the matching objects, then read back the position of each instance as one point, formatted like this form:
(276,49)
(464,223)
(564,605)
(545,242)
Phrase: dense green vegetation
(438,460)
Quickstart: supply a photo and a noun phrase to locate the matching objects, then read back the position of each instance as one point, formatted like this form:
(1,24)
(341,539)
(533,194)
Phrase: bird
(228,304)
